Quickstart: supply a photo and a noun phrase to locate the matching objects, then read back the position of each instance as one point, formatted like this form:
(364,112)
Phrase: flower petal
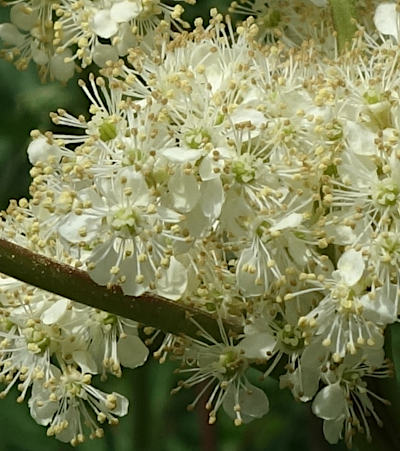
(351,267)
(386,19)
(103,25)
(131,351)
(330,402)
(125,11)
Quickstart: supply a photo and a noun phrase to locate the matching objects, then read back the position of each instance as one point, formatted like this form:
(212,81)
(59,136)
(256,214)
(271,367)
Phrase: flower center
(291,337)
(386,193)
(371,96)
(127,220)
(107,130)
(73,380)
(243,169)
(230,362)
(196,138)
(36,338)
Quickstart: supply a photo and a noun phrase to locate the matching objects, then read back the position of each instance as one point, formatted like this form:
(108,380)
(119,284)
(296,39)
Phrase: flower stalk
(69,282)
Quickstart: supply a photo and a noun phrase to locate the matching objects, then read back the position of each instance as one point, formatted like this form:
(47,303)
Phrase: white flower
(63,403)
(345,401)
(114,343)
(120,222)
(223,366)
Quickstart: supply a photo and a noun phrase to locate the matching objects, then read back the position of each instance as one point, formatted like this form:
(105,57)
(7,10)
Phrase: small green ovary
(243,169)
(334,132)
(108,130)
(291,337)
(127,220)
(197,138)
(387,193)
(391,244)
(132,156)
(106,319)
(36,338)
(371,96)
(230,362)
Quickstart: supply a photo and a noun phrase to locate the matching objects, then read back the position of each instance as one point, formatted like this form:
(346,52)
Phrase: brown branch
(74,284)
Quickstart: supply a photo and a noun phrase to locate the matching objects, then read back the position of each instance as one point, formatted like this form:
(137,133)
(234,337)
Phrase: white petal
(206,169)
(85,361)
(39,150)
(252,400)
(197,222)
(22,18)
(258,346)
(333,430)
(125,10)
(10,35)
(248,114)
(41,408)
(313,355)
(382,307)
(129,268)
(61,70)
(310,383)
(73,224)
(386,19)
(351,267)
(55,312)
(103,25)
(137,182)
(212,198)
(131,351)
(247,280)
(122,405)
(360,139)
(67,434)
(290,221)
(166,214)
(179,155)
(184,191)
(330,402)
(342,234)
(103,53)
(104,257)
(39,56)
(173,281)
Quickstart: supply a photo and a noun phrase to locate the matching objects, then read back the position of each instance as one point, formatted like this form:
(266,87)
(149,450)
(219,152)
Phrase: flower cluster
(296,21)
(60,36)
(258,182)
(51,347)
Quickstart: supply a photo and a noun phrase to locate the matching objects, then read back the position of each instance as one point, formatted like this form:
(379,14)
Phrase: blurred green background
(156,421)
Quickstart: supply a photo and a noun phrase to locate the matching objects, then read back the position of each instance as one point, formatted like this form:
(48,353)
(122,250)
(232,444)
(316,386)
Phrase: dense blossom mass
(240,171)
(60,36)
